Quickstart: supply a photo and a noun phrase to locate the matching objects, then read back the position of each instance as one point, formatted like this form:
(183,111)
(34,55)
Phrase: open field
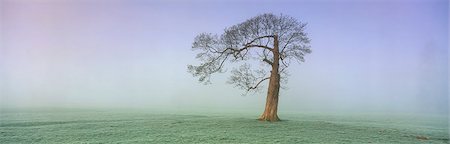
(113,126)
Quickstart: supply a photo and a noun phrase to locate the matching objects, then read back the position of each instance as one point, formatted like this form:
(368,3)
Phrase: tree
(273,40)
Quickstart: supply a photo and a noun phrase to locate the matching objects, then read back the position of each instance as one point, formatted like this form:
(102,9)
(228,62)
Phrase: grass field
(120,126)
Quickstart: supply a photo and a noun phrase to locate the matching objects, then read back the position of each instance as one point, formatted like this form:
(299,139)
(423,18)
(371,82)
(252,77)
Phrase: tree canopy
(251,39)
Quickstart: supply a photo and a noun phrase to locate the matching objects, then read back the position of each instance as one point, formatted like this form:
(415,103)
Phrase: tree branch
(261,37)
(287,43)
(259,46)
(267,61)
(256,86)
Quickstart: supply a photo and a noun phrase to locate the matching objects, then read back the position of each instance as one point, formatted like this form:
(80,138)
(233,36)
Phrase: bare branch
(246,78)
(267,61)
(258,38)
(257,84)
(259,46)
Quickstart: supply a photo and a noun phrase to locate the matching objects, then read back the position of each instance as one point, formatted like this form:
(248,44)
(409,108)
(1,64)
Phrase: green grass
(95,126)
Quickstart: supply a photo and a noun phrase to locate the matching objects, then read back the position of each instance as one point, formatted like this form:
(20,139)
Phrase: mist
(134,54)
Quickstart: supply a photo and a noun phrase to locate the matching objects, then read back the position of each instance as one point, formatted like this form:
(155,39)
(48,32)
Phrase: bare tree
(273,40)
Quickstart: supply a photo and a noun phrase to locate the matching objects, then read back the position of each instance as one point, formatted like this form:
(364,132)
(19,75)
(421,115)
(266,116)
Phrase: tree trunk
(270,111)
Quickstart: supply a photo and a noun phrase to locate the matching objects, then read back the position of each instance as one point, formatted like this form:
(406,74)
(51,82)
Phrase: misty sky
(372,55)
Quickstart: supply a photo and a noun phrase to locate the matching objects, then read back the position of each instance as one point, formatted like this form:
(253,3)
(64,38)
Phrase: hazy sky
(372,55)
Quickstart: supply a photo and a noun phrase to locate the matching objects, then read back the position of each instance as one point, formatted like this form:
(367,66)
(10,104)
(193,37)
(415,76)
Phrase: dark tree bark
(275,40)
(271,109)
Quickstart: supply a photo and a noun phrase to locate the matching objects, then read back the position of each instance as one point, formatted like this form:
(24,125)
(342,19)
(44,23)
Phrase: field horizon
(153,126)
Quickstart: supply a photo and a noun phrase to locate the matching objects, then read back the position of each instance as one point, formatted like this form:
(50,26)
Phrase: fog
(368,56)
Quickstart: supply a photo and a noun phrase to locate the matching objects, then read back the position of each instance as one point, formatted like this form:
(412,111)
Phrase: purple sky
(374,55)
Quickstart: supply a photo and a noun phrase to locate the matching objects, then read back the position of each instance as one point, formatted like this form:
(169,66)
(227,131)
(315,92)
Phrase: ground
(121,126)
